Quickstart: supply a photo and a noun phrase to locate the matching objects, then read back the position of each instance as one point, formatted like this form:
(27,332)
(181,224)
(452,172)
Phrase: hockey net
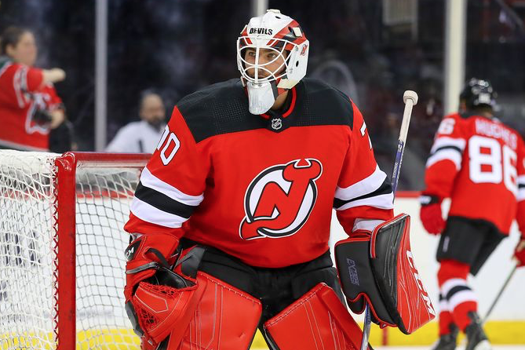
(61,249)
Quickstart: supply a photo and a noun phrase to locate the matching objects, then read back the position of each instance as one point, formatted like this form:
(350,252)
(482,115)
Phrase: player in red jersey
(230,222)
(29,104)
(478,163)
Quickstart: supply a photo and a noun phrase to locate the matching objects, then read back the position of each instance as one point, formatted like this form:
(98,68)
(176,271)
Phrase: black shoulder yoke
(223,108)
(323,105)
(218,109)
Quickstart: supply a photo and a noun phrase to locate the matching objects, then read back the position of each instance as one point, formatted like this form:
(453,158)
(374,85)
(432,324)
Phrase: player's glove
(145,255)
(161,288)
(430,214)
(519,254)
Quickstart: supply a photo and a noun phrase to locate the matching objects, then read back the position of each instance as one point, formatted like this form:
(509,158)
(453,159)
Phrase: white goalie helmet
(283,35)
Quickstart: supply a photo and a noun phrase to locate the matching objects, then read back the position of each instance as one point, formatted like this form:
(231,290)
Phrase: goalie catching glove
(161,290)
(379,269)
(145,255)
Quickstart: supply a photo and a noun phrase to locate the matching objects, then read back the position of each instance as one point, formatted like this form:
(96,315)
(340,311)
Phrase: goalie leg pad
(319,320)
(226,318)
(387,277)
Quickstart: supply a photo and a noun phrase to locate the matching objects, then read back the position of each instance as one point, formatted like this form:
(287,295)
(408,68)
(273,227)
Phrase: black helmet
(478,93)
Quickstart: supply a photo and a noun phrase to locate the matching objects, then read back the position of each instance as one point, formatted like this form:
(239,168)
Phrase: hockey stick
(499,294)
(410,99)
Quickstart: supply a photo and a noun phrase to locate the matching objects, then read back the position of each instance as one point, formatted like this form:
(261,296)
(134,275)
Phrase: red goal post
(61,249)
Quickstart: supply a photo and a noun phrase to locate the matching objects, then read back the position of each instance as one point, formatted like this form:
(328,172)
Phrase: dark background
(179,46)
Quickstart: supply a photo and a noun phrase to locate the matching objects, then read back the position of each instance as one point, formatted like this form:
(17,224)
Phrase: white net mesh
(26,250)
(103,199)
(27,253)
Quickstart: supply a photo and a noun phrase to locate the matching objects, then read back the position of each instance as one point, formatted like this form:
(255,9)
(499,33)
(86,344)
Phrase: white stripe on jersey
(383,201)
(149,213)
(447,153)
(448,142)
(149,180)
(23,79)
(18,89)
(366,224)
(461,297)
(451,283)
(443,305)
(521,191)
(367,185)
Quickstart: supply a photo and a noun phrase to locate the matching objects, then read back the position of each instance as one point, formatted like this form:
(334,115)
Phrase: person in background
(29,105)
(478,163)
(142,136)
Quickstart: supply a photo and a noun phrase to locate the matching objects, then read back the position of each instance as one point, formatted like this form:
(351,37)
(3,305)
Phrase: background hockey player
(231,220)
(479,163)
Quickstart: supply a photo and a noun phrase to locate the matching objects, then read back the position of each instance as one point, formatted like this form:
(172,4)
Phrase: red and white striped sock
(460,298)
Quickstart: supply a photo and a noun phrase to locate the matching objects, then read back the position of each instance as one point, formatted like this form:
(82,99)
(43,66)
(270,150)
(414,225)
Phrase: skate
(476,337)
(447,341)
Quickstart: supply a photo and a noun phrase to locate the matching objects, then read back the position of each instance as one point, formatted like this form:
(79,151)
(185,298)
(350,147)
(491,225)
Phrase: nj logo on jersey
(279,200)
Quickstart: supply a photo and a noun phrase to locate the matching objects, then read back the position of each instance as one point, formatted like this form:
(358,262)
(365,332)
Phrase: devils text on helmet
(259,31)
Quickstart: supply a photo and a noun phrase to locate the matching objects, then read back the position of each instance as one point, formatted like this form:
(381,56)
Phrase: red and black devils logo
(280,199)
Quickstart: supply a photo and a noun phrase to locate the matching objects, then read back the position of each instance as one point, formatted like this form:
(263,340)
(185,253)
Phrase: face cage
(276,45)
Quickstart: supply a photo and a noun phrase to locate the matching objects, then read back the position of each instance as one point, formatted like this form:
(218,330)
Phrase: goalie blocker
(379,268)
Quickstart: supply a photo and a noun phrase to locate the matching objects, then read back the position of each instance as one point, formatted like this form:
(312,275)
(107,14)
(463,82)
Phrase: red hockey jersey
(479,163)
(262,188)
(22,93)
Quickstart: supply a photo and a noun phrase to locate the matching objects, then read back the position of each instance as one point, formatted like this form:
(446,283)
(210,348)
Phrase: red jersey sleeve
(364,194)
(30,79)
(172,183)
(520,216)
(445,158)
(16,80)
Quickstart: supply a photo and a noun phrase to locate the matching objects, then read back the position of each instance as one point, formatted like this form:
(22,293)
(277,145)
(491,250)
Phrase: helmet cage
(278,46)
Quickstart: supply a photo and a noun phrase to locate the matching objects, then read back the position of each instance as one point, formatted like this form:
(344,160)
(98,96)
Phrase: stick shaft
(403,132)
(401,142)
(366,329)
(407,114)
(498,296)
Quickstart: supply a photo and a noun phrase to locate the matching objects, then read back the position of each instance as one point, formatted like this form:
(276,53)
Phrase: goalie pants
(276,288)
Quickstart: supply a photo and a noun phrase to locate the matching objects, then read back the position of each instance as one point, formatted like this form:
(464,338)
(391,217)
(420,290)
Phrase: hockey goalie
(231,220)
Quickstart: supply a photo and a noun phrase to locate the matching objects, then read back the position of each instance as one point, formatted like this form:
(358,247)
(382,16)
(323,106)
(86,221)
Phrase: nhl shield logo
(279,201)
(277,123)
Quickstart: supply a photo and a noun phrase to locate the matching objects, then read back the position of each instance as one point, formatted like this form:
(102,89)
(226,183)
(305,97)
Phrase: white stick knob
(412,95)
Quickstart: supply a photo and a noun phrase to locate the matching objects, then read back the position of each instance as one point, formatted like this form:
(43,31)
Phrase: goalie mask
(284,43)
